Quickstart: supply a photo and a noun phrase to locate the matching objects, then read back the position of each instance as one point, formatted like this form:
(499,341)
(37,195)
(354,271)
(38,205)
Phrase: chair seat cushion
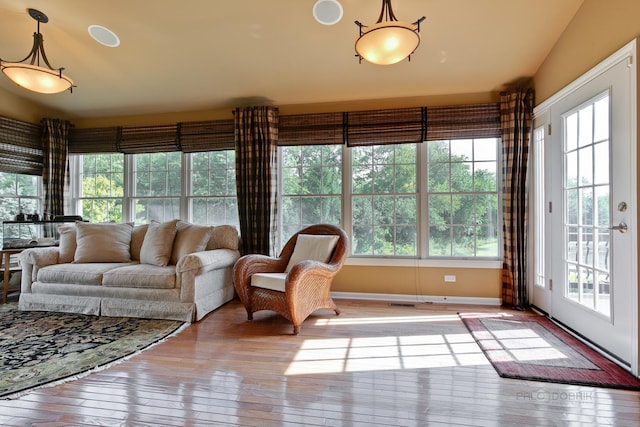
(273,281)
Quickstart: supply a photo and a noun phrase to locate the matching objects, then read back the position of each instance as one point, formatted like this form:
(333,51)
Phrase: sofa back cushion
(157,245)
(189,238)
(223,237)
(67,243)
(103,242)
(137,237)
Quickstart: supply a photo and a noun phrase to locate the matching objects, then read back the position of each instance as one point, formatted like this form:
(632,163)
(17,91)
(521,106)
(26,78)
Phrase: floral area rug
(532,347)
(44,348)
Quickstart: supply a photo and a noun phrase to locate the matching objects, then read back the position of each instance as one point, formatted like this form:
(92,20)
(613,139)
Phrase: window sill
(408,262)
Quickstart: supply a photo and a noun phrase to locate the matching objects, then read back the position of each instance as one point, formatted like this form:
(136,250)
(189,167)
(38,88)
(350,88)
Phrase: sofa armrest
(33,259)
(207,260)
(39,257)
(193,265)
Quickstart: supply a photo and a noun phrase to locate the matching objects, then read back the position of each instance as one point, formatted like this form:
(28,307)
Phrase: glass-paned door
(593,198)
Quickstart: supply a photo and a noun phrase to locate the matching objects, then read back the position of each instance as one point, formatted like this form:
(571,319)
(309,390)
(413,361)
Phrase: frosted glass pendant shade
(35,78)
(387,43)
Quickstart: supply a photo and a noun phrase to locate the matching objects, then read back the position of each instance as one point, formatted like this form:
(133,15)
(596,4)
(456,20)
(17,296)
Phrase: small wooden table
(6,254)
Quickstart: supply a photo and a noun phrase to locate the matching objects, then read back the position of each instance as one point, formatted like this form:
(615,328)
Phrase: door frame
(542,117)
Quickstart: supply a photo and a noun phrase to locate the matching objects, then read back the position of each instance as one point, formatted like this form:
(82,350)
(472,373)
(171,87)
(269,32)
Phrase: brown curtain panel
(256,143)
(55,148)
(516,107)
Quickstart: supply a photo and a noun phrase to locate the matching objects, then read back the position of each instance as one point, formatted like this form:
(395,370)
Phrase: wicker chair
(307,285)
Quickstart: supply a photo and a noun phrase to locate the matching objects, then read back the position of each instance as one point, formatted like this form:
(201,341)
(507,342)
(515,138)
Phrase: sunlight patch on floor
(520,345)
(335,321)
(378,353)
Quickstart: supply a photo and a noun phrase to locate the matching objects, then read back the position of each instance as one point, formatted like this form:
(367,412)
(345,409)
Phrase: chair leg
(296,329)
(337,310)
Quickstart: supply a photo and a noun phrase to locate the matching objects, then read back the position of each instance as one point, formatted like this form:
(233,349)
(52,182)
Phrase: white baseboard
(416,298)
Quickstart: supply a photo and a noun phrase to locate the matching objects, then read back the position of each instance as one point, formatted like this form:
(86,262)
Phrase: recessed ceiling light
(327,12)
(104,36)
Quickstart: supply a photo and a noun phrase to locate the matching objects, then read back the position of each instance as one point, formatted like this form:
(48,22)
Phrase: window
(404,183)
(384,200)
(538,207)
(19,193)
(460,215)
(102,187)
(212,195)
(157,181)
(311,187)
(462,190)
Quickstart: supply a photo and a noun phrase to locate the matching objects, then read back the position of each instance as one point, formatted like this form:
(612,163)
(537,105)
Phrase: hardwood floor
(375,364)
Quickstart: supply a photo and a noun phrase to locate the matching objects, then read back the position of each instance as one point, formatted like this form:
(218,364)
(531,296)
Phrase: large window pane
(213,188)
(19,193)
(102,187)
(462,195)
(158,186)
(311,187)
(384,200)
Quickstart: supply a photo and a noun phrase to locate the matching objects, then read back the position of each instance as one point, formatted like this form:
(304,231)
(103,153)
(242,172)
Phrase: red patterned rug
(534,348)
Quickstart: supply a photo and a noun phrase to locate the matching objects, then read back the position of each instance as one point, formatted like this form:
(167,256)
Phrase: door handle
(622,227)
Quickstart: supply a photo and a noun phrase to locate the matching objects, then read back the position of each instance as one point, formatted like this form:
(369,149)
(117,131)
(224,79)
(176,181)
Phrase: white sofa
(172,270)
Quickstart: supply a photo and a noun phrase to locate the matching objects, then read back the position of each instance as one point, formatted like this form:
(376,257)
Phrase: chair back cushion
(314,247)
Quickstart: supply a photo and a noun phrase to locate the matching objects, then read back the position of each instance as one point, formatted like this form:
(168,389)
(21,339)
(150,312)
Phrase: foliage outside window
(102,190)
(212,198)
(311,187)
(462,189)
(158,186)
(384,200)
(19,193)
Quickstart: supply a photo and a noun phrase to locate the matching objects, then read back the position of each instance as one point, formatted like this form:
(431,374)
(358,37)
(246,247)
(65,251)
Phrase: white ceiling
(195,55)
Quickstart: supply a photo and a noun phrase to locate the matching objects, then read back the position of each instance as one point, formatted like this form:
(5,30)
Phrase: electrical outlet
(449,278)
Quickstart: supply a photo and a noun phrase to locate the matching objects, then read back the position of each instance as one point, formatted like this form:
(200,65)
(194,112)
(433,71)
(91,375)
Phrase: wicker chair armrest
(254,263)
(308,275)
(248,265)
(306,267)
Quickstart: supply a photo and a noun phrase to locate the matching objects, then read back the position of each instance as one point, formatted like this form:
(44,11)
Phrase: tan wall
(424,281)
(17,108)
(599,28)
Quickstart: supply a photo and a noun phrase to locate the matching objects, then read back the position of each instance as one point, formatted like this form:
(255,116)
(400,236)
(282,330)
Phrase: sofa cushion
(273,281)
(137,237)
(312,246)
(190,238)
(158,243)
(141,276)
(103,242)
(223,237)
(81,274)
(67,242)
